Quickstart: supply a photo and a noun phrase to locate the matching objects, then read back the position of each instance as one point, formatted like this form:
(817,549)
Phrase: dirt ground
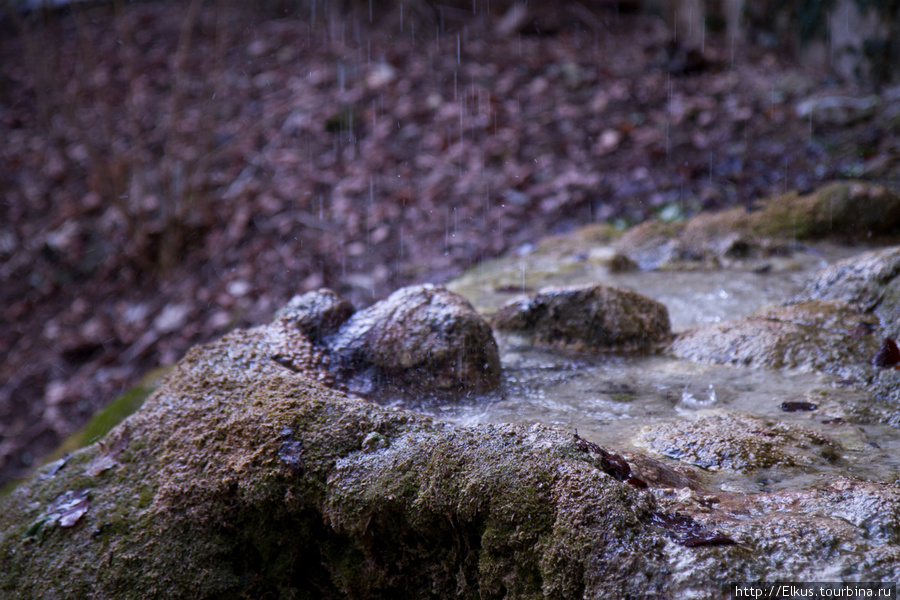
(153,198)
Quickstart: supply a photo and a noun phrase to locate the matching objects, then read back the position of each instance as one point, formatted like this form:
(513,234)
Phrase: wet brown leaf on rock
(102,463)
(68,508)
(612,464)
(888,354)
(688,532)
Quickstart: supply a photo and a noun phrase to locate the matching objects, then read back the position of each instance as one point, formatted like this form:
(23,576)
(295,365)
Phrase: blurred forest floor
(168,175)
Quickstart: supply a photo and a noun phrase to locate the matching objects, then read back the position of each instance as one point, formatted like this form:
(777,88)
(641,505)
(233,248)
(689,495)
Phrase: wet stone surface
(859,280)
(316,314)
(836,326)
(830,336)
(420,339)
(589,318)
(870,280)
(236,454)
(738,442)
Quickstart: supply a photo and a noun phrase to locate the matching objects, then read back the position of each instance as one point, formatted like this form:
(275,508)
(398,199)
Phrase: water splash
(688,399)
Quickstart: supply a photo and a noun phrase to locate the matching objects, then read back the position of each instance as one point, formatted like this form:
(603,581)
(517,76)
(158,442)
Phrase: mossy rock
(588,318)
(870,280)
(421,339)
(112,414)
(829,336)
(240,477)
(842,210)
(243,477)
(739,443)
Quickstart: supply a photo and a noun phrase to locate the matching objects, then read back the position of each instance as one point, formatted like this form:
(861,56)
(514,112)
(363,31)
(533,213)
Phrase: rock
(239,478)
(316,314)
(619,263)
(740,443)
(869,280)
(582,257)
(242,478)
(888,309)
(588,318)
(861,504)
(839,210)
(814,335)
(420,339)
(835,512)
(885,398)
(860,279)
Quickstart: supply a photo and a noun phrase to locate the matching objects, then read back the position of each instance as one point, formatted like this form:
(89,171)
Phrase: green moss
(102,422)
(10,485)
(114,413)
(145,496)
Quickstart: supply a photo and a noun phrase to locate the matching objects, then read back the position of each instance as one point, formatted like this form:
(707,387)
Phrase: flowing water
(612,400)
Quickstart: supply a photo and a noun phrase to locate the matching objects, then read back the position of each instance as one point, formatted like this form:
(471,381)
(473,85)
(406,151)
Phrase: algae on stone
(202,500)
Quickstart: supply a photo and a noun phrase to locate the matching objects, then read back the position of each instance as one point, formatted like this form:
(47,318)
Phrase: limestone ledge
(241,477)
